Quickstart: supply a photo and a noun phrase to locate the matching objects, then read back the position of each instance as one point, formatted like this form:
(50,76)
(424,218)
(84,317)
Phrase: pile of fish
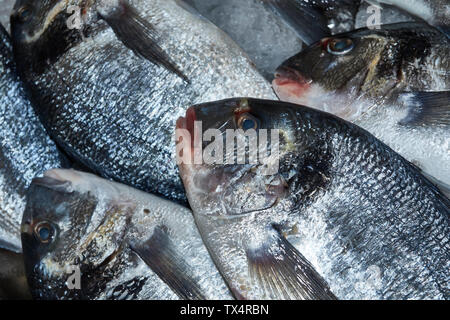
(106,104)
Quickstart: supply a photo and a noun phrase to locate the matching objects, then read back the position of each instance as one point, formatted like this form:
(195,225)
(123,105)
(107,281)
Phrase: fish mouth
(290,85)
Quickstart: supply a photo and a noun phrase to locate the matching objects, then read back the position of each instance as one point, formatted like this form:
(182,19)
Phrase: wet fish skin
(368,85)
(115,111)
(98,226)
(25,148)
(364,217)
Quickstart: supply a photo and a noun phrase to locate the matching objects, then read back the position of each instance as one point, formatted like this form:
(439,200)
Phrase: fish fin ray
(139,35)
(286,274)
(427,108)
(160,255)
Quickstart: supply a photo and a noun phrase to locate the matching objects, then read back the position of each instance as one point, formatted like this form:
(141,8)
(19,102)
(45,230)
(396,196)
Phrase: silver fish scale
(386,228)
(25,149)
(116,112)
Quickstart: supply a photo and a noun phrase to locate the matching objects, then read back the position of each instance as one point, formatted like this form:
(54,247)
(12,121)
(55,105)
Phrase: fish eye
(247,122)
(24,13)
(340,46)
(44,232)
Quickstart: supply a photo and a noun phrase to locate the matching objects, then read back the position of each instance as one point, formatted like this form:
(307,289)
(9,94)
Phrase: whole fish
(394,82)
(110,92)
(122,243)
(340,204)
(25,149)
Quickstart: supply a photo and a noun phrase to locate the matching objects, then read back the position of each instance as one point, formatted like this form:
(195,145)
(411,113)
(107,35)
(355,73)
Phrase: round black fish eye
(247,122)
(24,13)
(340,46)
(44,232)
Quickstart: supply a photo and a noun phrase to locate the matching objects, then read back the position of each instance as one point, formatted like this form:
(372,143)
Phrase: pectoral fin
(307,20)
(161,256)
(282,272)
(137,34)
(427,108)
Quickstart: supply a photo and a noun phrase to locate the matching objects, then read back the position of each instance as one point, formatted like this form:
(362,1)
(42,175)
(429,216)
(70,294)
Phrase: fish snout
(290,85)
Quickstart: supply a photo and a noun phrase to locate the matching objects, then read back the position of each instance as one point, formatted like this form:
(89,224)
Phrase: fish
(25,148)
(326,210)
(393,82)
(434,12)
(123,243)
(105,103)
(13,282)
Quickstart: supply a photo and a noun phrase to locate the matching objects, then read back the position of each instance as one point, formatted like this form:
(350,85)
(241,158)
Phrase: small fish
(25,148)
(108,98)
(393,82)
(121,243)
(340,205)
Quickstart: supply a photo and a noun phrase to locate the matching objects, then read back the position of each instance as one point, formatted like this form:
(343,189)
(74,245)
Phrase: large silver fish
(340,204)
(122,243)
(394,82)
(102,99)
(25,149)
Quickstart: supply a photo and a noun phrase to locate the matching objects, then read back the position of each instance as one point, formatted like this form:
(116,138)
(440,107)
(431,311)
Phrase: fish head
(30,18)
(42,30)
(336,74)
(230,178)
(242,208)
(68,235)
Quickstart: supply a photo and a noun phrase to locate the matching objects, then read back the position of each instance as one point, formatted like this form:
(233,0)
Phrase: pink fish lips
(290,86)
